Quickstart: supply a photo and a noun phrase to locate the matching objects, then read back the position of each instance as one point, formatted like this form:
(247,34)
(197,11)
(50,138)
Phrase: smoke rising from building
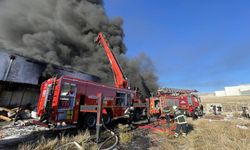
(62,32)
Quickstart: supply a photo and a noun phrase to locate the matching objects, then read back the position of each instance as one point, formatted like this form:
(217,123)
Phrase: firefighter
(201,108)
(129,114)
(214,109)
(191,111)
(167,116)
(181,122)
(71,95)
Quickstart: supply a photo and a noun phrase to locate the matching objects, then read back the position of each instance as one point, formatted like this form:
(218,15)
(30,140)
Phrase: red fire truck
(184,99)
(73,101)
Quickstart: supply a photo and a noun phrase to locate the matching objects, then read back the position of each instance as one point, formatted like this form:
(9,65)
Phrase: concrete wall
(245,92)
(232,91)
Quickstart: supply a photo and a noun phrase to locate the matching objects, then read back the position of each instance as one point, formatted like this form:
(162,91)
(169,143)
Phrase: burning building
(62,32)
(20,78)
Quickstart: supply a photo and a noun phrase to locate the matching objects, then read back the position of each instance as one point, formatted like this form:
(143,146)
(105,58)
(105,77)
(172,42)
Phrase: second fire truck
(168,97)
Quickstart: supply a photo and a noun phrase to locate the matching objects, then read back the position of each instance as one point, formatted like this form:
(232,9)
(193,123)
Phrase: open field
(216,135)
(220,132)
(203,134)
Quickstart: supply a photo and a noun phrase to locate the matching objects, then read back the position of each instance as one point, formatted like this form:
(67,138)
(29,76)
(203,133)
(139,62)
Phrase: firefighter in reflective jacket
(181,122)
(167,111)
(129,113)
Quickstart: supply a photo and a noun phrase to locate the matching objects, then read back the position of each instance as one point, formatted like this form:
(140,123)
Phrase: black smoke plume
(62,32)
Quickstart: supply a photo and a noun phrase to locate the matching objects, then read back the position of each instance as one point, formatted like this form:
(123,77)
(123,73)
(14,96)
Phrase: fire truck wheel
(90,120)
(107,118)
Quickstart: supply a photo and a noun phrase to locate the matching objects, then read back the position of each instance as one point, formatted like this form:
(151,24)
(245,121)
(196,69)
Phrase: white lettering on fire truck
(107,98)
(182,102)
(95,97)
(92,97)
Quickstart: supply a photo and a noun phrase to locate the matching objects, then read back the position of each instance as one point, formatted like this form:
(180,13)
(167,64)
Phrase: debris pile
(22,123)
(14,114)
(242,127)
(19,129)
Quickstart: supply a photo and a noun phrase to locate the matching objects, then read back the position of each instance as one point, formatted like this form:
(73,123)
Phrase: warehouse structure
(20,79)
(234,90)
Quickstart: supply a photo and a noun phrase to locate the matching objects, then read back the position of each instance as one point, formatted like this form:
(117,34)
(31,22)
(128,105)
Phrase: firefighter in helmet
(167,116)
(129,114)
(181,122)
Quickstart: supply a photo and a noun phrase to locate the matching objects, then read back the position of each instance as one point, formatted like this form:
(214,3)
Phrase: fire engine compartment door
(190,100)
(121,103)
(157,104)
(66,102)
(170,102)
(46,101)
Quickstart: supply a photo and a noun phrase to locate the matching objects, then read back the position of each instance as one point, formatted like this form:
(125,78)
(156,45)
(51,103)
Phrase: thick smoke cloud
(140,73)
(62,32)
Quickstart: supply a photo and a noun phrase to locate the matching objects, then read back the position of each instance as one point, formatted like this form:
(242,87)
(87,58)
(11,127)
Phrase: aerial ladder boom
(119,78)
(173,90)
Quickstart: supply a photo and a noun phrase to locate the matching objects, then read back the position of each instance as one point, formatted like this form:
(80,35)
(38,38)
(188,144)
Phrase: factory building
(20,79)
(234,90)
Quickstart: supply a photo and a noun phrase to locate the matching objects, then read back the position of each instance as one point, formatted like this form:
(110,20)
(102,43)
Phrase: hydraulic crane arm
(120,79)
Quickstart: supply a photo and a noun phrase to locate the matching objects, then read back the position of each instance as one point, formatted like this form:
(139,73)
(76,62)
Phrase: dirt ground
(217,132)
(205,134)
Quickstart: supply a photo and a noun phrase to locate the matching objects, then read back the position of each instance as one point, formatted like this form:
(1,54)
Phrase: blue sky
(201,44)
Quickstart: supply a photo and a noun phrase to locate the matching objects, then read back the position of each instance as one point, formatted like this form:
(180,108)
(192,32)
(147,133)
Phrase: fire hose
(74,142)
(113,135)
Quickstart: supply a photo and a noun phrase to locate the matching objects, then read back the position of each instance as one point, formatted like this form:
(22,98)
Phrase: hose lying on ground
(74,142)
(113,135)
(109,138)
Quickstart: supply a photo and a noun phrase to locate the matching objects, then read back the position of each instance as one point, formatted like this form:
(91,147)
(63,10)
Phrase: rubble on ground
(241,127)
(19,128)
(14,114)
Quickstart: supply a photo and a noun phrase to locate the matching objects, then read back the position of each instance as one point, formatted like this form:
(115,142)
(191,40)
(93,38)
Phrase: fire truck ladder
(46,115)
(175,91)
(119,77)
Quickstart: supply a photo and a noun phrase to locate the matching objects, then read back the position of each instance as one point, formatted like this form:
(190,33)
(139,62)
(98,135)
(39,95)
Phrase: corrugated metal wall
(22,70)
(20,95)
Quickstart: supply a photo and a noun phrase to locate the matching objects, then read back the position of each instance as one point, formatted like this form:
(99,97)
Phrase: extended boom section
(120,79)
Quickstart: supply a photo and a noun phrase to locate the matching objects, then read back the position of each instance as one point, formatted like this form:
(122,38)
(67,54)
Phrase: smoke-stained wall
(29,71)
(19,69)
